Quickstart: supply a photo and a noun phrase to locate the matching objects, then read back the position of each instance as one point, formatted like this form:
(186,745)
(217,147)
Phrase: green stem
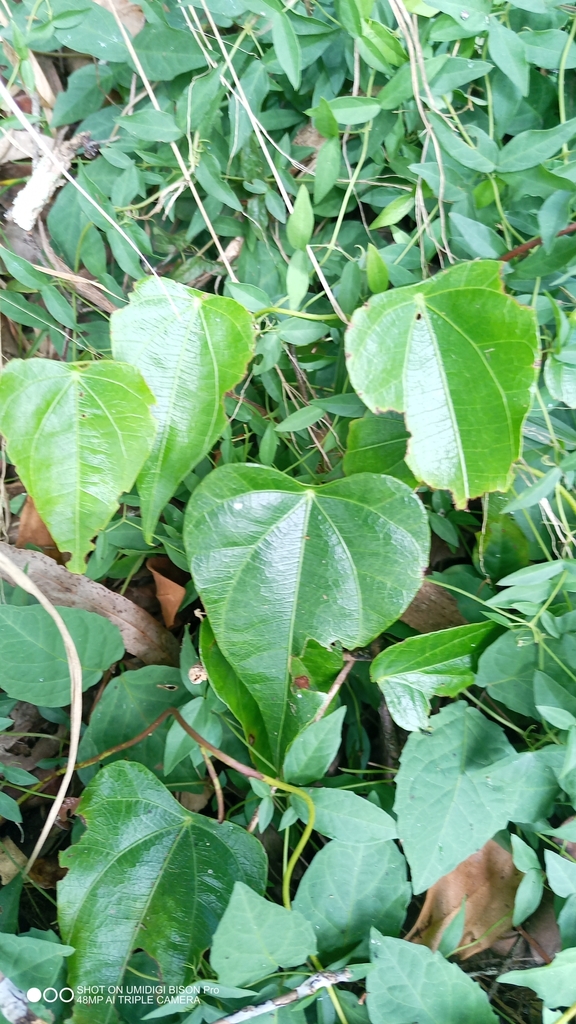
(507,228)
(331,992)
(303,838)
(488,711)
(489,100)
(295,312)
(561,83)
(416,236)
(546,605)
(568,1015)
(567,496)
(479,600)
(546,416)
(351,184)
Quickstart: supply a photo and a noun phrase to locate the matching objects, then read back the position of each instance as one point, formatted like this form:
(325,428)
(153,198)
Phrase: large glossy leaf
(277,562)
(160,877)
(34,663)
(411,672)
(237,697)
(191,348)
(78,434)
(272,937)
(452,353)
(410,983)
(347,886)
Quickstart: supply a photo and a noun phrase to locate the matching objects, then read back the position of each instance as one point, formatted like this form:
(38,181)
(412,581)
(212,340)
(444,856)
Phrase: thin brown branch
(244,769)
(521,250)
(534,944)
(216,783)
(336,685)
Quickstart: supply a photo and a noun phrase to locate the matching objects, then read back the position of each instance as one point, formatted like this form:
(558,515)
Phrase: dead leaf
(19,145)
(46,871)
(196,801)
(32,530)
(67,811)
(143,636)
(12,860)
(130,14)
(86,286)
(170,586)
(488,880)
(50,74)
(432,609)
(27,719)
(308,135)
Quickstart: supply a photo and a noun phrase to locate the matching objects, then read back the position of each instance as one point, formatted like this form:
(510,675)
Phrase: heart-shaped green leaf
(78,434)
(452,353)
(191,348)
(277,562)
(160,876)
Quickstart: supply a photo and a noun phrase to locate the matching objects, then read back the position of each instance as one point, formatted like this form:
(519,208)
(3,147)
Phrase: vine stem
(177,154)
(268,157)
(561,79)
(295,312)
(75,669)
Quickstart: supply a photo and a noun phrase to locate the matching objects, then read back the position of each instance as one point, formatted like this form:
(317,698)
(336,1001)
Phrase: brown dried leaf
(142,635)
(19,145)
(46,872)
(67,811)
(432,609)
(32,530)
(488,880)
(86,286)
(196,801)
(12,860)
(130,14)
(170,586)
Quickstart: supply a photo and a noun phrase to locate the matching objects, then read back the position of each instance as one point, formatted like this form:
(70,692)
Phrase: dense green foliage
(307,306)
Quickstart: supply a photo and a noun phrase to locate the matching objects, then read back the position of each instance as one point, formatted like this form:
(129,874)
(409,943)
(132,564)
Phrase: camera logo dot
(50,995)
